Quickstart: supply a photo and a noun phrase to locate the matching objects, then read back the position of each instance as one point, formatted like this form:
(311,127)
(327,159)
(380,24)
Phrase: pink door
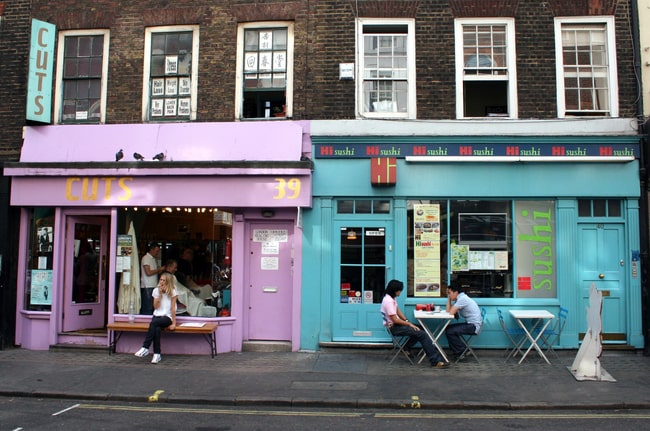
(86,250)
(271,282)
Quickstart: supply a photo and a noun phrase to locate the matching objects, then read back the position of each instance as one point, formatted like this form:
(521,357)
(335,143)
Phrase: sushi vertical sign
(41,69)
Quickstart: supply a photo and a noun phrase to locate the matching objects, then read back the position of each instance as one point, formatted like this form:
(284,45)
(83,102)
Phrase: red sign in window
(524,283)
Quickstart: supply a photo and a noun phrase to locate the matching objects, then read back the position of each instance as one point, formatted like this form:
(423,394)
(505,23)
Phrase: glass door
(86,251)
(364,267)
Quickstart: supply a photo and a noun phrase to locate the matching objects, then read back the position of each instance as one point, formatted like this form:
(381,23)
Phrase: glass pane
(98,46)
(172,43)
(345,207)
(351,278)
(84,46)
(381,207)
(70,68)
(351,242)
(95,89)
(363,206)
(600,207)
(83,68)
(157,66)
(85,283)
(375,281)
(96,67)
(375,246)
(584,208)
(614,208)
(158,44)
(71,46)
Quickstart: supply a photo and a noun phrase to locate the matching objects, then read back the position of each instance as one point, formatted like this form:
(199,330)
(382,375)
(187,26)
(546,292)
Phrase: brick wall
(324,38)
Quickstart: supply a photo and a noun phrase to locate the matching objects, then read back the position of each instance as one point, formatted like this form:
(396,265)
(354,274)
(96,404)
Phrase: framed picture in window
(157,87)
(184,86)
(157,107)
(170,107)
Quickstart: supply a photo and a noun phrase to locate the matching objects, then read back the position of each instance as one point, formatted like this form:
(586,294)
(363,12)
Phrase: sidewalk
(351,378)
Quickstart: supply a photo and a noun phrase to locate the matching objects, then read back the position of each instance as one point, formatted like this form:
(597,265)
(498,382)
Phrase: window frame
(612,68)
(239,68)
(511,67)
(194,74)
(58,95)
(411,110)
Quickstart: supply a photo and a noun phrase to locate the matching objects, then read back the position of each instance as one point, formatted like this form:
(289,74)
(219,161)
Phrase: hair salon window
(472,244)
(170,74)
(38,288)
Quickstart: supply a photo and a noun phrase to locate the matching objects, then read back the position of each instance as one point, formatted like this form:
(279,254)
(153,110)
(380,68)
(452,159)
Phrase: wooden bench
(116,329)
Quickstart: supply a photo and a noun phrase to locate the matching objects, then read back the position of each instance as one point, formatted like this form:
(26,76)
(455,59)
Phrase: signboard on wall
(535,235)
(426,250)
(41,69)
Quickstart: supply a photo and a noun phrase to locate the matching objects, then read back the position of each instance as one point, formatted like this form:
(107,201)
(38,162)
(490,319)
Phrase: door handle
(601,276)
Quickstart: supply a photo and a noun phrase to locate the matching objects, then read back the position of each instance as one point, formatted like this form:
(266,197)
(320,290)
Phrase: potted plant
(280,111)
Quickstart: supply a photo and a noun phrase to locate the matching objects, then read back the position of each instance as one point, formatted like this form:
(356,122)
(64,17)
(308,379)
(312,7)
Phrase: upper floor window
(170,76)
(386,81)
(486,74)
(82,67)
(264,70)
(586,71)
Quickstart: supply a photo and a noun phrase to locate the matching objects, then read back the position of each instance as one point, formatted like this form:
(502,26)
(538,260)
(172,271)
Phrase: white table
(531,321)
(441,320)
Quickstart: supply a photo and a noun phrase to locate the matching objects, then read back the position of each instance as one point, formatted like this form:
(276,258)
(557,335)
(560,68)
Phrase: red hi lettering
(557,151)
(465,151)
(605,151)
(512,151)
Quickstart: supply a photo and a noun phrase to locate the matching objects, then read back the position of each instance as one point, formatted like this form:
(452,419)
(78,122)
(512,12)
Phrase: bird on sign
(119,155)
(138,156)
(160,157)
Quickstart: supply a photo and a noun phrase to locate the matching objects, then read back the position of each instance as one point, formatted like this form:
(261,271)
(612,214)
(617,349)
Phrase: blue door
(601,262)
(365,264)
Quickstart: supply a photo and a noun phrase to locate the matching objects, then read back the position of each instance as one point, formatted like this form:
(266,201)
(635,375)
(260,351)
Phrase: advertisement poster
(124,251)
(426,247)
(41,288)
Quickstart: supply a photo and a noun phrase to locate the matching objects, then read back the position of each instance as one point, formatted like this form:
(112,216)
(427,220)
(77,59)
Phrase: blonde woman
(164,316)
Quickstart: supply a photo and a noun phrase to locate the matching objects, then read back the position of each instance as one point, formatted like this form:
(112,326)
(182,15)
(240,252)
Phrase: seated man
(399,325)
(194,306)
(184,275)
(468,310)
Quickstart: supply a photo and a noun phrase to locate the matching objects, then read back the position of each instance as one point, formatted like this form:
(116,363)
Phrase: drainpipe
(644,127)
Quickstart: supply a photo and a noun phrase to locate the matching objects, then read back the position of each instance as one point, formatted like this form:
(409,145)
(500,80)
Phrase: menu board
(426,247)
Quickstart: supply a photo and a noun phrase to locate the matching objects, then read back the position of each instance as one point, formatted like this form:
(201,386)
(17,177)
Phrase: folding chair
(468,339)
(515,335)
(399,342)
(551,337)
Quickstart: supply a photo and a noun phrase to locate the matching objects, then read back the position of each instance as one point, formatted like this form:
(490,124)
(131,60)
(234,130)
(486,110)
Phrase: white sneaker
(156,358)
(142,352)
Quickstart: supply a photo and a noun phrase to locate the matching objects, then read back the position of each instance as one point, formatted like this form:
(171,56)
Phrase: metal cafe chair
(399,343)
(516,337)
(468,339)
(551,336)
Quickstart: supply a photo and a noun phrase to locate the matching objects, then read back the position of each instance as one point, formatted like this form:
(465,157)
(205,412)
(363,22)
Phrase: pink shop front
(223,200)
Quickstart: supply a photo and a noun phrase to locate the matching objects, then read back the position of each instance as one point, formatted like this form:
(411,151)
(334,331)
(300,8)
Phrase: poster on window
(184,107)
(41,287)
(266,61)
(266,39)
(171,65)
(184,86)
(157,108)
(157,87)
(171,86)
(535,236)
(250,62)
(279,61)
(170,107)
(426,247)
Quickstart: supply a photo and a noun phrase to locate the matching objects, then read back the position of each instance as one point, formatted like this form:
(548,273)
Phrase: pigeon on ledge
(119,155)
(138,156)
(160,157)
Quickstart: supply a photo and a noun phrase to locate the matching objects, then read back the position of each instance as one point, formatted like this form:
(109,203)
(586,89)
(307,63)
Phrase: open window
(485,68)
(264,70)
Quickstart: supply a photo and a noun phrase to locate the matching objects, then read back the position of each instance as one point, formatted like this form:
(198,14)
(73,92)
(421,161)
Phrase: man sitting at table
(400,326)
(459,302)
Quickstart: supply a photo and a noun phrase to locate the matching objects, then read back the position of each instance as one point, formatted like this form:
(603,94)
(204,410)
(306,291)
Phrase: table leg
(438,330)
(533,341)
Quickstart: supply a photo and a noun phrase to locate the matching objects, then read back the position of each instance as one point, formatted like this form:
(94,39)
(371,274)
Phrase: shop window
(170,75)
(197,244)
(586,71)
(265,70)
(363,264)
(599,208)
(485,68)
(82,68)
(363,206)
(39,289)
(386,68)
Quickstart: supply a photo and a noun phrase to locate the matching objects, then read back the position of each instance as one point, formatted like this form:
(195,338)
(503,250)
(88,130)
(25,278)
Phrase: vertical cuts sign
(41,68)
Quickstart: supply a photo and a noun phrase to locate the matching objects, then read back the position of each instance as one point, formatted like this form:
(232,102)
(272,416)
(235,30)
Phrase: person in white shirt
(164,316)
(149,280)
